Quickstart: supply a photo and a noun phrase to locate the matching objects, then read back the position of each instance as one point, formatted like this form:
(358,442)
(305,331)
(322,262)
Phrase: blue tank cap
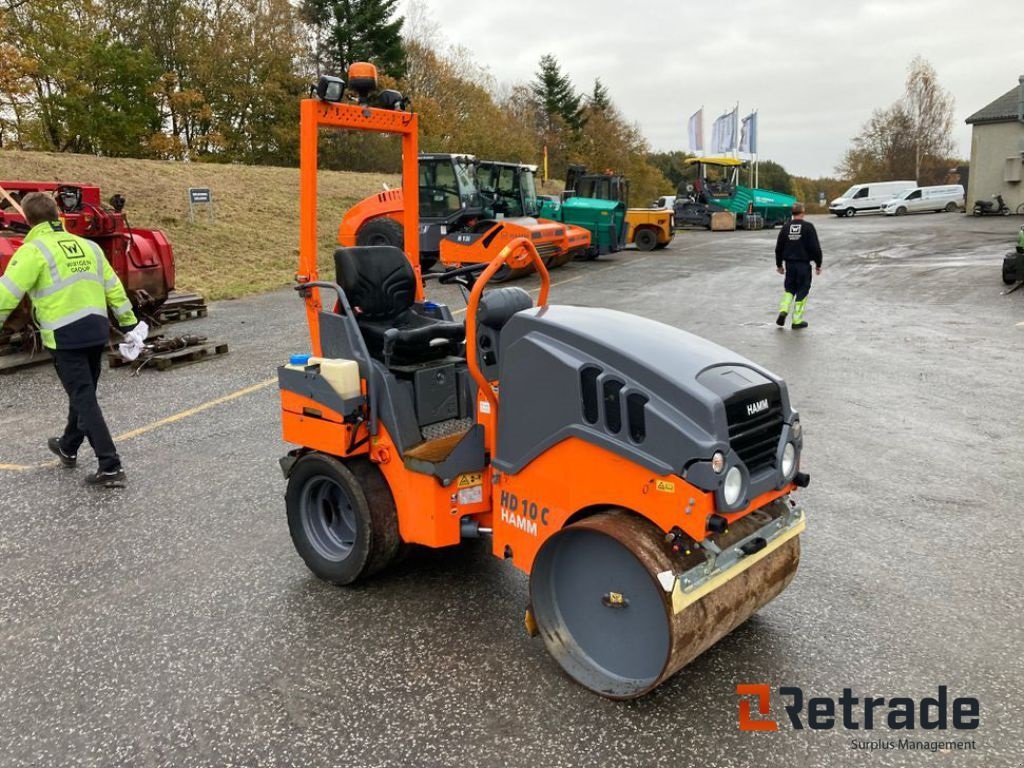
(428,304)
(299,360)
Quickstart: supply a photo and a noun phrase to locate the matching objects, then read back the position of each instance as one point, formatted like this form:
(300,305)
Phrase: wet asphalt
(172,624)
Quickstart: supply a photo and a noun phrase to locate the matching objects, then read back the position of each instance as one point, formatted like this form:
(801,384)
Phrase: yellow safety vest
(71,286)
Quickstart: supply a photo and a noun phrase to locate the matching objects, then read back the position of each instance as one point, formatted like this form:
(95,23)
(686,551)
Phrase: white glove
(133,342)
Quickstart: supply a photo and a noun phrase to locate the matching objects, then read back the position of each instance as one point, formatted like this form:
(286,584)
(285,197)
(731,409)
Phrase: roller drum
(609,622)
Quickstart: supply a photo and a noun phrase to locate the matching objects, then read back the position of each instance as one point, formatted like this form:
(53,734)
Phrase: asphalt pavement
(172,624)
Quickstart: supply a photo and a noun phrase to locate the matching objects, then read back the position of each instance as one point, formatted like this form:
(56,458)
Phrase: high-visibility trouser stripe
(12,286)
(71,317)
(61,284)
(50,260)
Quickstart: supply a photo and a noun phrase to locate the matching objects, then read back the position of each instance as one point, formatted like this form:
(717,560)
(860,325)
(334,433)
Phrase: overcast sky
(814,70)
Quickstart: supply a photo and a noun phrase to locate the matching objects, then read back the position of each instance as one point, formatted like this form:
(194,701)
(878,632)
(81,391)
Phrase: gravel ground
(172,624)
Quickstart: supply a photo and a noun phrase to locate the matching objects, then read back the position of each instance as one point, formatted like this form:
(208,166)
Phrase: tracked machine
(142,258)
(644,478)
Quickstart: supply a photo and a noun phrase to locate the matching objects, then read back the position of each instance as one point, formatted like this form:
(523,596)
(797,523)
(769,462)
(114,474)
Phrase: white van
(869,198)
(949,198)
(666,201)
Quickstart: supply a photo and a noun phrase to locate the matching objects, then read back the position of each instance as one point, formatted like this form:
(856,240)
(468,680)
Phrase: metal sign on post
(200,196)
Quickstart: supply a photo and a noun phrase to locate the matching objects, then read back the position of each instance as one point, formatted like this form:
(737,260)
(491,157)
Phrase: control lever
(390,337)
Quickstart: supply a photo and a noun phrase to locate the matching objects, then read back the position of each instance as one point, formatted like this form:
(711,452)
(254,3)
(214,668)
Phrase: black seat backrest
(378,280)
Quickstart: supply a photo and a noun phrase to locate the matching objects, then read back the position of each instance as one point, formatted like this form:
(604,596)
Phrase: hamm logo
(755,408)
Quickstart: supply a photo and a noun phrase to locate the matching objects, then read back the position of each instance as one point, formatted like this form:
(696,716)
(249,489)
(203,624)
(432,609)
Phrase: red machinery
(142,258)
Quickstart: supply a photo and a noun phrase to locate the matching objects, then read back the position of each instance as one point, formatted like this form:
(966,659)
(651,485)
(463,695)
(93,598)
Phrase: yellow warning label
(665,486)
(471,479)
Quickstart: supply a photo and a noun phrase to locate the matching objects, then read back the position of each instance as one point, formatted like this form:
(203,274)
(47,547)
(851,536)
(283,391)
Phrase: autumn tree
(910,139)
(930,108)
(884,149)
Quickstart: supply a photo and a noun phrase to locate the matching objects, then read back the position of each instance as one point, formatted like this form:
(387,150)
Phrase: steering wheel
(451,276)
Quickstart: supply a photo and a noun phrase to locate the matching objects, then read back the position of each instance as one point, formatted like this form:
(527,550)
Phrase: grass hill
(251,247)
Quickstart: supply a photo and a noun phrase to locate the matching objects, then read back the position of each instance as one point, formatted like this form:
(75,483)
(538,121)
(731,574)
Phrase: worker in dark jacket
(71,286)
(795,249)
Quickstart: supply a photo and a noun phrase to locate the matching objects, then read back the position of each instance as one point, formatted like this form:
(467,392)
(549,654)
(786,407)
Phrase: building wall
(991,144)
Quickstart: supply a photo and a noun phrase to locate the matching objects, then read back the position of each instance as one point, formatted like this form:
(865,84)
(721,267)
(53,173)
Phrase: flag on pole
(723,132)
(748,134)
(697,131)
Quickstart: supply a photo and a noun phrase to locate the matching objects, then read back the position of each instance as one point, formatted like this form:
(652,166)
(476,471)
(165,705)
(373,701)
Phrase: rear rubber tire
(1009,274)
(952,208)
(646,239)
(342,517)
(662,246)
(381,231)
(386,231)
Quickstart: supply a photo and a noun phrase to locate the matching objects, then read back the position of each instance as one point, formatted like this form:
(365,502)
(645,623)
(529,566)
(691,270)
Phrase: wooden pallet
(14,361)
(177,314)
(175,358)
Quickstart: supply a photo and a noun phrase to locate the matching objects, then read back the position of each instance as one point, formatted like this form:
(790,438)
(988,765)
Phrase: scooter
(994,207)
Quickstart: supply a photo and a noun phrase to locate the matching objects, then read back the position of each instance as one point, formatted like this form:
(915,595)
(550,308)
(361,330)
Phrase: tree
(557,96)
(345,31)
(599,99)
(773,176)
(931,112)
(910,139)
(884,150)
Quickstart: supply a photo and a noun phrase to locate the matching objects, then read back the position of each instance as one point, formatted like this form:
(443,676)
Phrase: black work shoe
(781,319)
(107,479)
(67,459)
(798,326)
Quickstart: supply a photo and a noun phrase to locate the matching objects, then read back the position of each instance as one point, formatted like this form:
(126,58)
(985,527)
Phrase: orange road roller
(643,478)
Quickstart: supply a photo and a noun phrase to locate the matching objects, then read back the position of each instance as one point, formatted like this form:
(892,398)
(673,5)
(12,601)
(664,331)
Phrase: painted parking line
(160,423)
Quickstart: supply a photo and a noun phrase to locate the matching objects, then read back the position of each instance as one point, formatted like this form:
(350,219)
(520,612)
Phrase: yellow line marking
(198,409)
(161,423)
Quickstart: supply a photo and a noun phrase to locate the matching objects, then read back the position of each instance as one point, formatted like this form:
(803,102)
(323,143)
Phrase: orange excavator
(644,478)
(468,212)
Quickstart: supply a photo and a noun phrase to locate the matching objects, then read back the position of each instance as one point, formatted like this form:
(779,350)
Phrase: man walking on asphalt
(71,285)
(797,246)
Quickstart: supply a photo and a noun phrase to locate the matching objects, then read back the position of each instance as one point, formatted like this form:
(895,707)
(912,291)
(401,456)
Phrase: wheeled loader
(462,222)
(641,476)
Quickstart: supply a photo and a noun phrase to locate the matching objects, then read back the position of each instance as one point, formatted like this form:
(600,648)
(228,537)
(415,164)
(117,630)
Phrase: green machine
(722,191)
(604,219)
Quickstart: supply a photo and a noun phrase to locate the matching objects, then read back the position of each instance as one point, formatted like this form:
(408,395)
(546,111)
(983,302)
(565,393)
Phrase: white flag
(696,129)
(748,135)
(724,133)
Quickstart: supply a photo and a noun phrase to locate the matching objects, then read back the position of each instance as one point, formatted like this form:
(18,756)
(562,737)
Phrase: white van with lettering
(869,198)
(949,198)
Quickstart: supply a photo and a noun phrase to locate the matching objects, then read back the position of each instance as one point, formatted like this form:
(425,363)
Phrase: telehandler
(642,477)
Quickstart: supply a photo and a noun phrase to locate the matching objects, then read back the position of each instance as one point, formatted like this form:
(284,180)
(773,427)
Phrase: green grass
(251,247)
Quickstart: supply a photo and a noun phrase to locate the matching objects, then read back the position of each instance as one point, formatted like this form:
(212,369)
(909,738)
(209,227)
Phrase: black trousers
(798,279)
(79,372)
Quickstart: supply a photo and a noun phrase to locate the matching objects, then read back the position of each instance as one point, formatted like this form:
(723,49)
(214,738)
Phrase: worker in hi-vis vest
(796,247)
(71,286)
